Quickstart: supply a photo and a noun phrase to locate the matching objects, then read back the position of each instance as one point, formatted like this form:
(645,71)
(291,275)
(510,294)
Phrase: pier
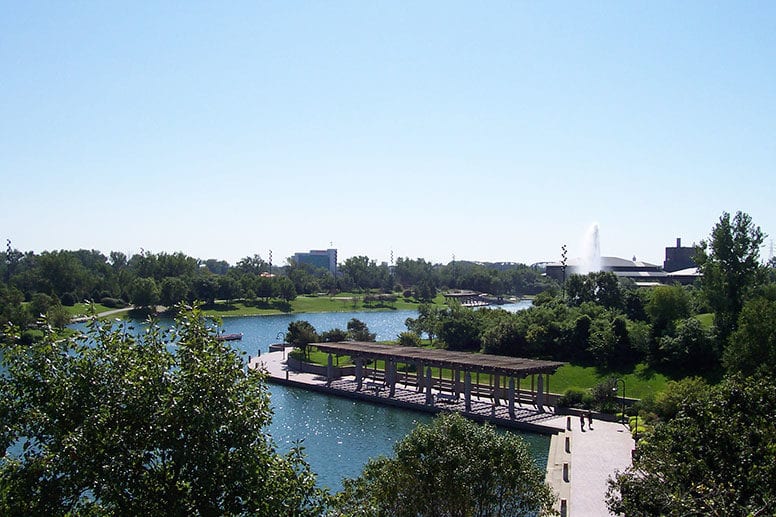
(579,462)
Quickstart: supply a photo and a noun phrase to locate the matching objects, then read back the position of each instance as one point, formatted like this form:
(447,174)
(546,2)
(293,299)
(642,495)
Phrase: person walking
(590,420)
(582,421)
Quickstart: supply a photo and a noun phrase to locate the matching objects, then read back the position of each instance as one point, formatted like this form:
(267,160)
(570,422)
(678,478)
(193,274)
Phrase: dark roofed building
(679,257)
(643,273)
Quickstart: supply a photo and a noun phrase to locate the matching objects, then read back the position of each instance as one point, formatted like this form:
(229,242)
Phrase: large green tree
(113,424)
(451,467)
(716,457)
(300,334)
(730,264)
(752,346)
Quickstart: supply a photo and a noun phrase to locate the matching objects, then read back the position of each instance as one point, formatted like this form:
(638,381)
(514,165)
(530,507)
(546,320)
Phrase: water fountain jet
(591,252)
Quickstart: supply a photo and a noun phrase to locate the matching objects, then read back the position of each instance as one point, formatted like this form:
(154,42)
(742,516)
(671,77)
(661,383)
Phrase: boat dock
(579,461)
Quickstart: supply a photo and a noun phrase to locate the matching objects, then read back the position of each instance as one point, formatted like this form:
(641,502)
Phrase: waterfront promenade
(579,462)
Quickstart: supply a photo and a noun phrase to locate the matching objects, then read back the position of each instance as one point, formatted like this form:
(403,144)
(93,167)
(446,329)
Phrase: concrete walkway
(579,462)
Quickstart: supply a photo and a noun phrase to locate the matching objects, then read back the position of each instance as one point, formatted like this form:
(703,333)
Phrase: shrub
(113,303)
(409,339)
(68,299)
(573,397)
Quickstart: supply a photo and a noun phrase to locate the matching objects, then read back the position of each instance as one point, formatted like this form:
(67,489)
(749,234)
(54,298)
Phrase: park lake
(339,435)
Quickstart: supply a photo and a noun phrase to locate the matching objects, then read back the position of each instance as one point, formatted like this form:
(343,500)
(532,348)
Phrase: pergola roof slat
(485,363)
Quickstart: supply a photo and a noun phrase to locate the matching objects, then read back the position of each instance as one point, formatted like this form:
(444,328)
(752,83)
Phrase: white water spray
(591,252)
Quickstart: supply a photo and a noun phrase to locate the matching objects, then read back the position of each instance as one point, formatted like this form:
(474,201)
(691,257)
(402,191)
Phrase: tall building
(326,259)
(679,258)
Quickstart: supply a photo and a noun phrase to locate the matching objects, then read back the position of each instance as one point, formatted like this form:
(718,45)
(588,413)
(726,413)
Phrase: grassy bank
(342,302)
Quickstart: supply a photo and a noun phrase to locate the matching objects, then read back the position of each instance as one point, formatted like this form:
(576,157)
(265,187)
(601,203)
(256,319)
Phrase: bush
(409,339)
(68,299)
(575,398)
(297,354)
(113,303)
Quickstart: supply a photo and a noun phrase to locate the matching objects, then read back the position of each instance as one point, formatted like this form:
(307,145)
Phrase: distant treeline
(145,279)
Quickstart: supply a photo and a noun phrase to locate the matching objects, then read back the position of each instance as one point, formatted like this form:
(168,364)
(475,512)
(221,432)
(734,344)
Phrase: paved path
(579,463)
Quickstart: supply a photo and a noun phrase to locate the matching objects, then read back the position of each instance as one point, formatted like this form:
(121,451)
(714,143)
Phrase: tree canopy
(730,264)
(168,422)
(716,457)
(451,467)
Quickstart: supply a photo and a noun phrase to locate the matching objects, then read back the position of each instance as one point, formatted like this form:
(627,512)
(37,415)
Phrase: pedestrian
(590,420)
(582,421)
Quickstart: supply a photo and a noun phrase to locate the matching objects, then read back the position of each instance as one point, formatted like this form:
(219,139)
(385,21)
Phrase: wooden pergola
(505,372)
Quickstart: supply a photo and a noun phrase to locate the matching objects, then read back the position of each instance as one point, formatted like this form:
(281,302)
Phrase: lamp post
(617,381)
(282,335)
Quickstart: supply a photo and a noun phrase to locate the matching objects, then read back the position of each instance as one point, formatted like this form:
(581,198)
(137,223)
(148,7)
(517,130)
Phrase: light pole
(282,335)
(617,381)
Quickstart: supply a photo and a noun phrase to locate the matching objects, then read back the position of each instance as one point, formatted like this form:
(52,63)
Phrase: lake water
(339,434)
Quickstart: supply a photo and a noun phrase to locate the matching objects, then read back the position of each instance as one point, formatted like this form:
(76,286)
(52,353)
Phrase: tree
(359,331)
(752,346)
(300,334)
(730,265)
(452,467)
(285,289)
(427,321)
(265,288)
(425,291)
(173,290)
(602,288)
(228,288)
(717,457)
(361,272)
(691,350)
(206,289)
(333,336)
(254,265)
(114,423)
(460,328)
(506,337)
(144,292)
(666,305)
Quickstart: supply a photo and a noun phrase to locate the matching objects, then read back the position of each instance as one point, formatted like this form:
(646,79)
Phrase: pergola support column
(429,394)
(496,389)
(329,371)
(359,373)
(467,391)
(540,393)
(390,377)
(511,396)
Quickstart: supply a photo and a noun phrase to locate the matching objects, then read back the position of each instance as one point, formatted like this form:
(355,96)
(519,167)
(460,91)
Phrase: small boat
(229,337)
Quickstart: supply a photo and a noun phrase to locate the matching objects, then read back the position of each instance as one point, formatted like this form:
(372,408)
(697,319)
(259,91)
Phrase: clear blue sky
(492,131)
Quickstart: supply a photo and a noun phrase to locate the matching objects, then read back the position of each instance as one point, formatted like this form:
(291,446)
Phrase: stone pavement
(579,462)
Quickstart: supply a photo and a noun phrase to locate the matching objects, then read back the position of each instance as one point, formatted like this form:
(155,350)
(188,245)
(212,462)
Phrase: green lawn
(639,382)
(707,319)
(342,302)
(82,309)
